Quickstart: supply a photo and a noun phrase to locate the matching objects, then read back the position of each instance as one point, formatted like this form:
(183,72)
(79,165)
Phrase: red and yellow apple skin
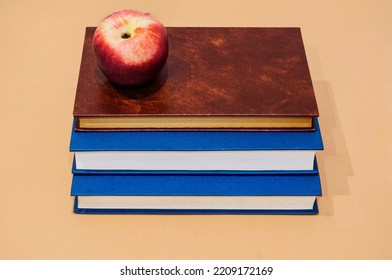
(130,47)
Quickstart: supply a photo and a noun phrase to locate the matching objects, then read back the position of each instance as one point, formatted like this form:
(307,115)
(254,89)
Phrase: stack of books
(229,127)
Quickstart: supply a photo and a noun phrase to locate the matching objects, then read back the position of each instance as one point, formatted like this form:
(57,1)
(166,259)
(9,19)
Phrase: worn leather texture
(210,71)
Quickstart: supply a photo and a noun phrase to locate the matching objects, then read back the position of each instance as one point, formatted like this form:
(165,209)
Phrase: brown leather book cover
(256,76)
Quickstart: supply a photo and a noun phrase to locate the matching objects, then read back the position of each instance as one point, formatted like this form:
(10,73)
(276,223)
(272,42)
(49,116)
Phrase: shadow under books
(334,162)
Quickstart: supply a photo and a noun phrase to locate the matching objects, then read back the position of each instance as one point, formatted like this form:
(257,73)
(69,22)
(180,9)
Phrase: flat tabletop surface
(348,49)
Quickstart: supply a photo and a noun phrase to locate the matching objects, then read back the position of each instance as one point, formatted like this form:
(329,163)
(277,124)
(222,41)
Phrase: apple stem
(126,36)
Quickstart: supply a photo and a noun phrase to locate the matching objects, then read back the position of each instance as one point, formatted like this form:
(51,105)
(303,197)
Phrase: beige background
(349,46)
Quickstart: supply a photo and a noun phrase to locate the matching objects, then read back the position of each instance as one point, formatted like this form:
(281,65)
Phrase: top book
(219,78)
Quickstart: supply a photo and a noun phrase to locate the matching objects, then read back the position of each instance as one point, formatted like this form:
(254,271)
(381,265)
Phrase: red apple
(130,47)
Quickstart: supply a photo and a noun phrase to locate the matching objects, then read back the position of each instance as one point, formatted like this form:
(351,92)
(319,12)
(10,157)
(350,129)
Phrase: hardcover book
(82,209)
(196,150)
(217,78)
(186,193)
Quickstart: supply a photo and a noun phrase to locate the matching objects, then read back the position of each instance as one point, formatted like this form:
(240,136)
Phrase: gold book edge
(194,122)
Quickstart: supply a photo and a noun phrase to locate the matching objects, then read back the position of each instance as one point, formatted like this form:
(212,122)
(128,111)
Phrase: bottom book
(196,194)
(244,211)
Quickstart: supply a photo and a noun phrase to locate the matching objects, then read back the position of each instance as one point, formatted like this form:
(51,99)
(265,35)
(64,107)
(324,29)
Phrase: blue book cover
(196,140)
(202,150)
(198,194)
(187,184)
